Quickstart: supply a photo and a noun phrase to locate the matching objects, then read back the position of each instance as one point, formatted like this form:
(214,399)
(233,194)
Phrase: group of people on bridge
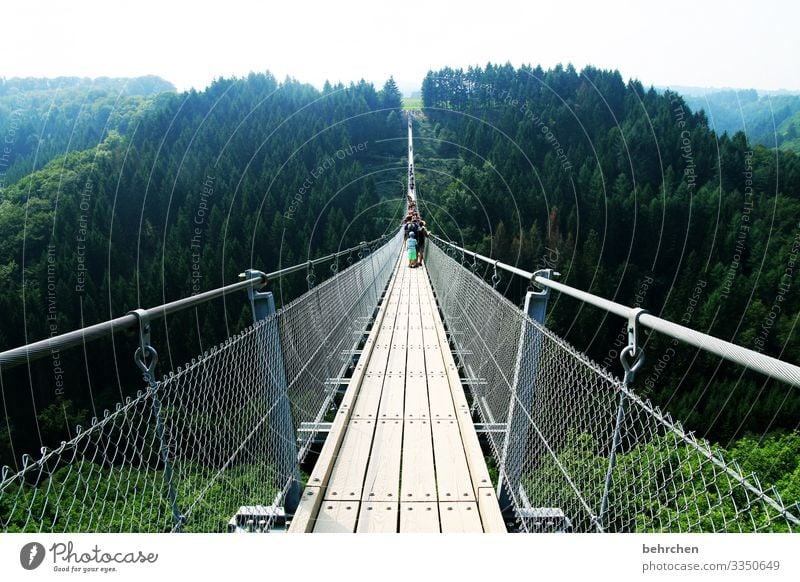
(415,234)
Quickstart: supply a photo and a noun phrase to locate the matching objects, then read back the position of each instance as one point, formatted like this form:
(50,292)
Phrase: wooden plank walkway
(402,454)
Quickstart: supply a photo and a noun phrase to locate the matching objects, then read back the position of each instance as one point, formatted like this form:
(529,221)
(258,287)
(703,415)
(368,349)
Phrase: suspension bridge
(390,399)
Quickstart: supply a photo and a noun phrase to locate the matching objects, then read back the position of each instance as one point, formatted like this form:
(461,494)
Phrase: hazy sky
(668,42)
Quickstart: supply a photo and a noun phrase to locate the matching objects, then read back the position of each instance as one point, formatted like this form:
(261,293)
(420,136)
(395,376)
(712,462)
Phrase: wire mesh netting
(191,449)
(321,330)
(557,460)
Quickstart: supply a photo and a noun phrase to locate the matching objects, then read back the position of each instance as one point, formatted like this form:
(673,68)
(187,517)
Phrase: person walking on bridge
(412,250)
(421,235)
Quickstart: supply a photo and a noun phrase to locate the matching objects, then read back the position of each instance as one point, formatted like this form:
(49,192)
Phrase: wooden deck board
(460,517)
(378,517)
(347,478)
(419,518)
(440,397)
(366,407)
(337,517)
(416,402)
(489,508)
(392,397)
(452,473)
(418,481)
(382,482)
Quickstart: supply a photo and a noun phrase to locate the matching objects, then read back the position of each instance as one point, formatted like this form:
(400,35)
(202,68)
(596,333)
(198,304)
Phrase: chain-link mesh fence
(188,451)
(557,460)
(321,331)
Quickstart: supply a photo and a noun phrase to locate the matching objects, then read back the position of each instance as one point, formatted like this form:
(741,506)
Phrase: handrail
(767,365)
(33,351)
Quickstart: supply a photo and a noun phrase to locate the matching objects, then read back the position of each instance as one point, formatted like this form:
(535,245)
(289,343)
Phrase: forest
(166,196)
(41,119)
(768,120)
(629,194)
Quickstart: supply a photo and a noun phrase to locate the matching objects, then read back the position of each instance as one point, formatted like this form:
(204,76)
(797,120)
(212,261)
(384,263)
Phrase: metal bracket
(633,350)
(495,276)
(311,276)
(540,290)
(259,300)
(145,351)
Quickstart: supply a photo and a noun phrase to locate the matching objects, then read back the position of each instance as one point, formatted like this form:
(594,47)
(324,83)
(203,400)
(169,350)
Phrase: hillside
(250,172)
(631,195)
(767,119)
(41,119)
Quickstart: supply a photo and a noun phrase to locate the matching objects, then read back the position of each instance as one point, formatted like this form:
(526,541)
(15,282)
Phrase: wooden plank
(418,480)
(337,517)
(378,517)
(416,403)
(392,396)
(489,508)
(476,461)
(415,364)
(460,517)
(379,357)
(452,473)
(440,398)
(434,364)
(307,510)
(369,397)
(419,518)
(382,482)
(396,363)
(347,477)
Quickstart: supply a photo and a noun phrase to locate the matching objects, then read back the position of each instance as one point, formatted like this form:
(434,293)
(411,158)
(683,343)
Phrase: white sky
(662,42)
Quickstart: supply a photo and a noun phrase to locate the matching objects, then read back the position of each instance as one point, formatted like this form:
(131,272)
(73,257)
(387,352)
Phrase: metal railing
(767,365)
(576,448)
(35,350)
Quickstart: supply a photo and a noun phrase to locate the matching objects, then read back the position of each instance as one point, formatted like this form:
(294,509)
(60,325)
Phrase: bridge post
(517,421)
(263,305)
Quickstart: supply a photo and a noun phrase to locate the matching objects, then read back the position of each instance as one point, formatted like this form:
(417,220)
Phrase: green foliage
(663,484)
(86,497)
(768,120)
(775,459)
(249,173)
(41,119)
(630,195)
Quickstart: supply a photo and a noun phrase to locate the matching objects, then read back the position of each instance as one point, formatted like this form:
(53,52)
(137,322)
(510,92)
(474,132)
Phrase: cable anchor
(632,355)
(146,355)
(311,277)
(495,276)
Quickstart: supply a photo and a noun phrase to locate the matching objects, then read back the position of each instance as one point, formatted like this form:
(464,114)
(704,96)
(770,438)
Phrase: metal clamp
(145,351)
(311,277)
(632,355)
(495,276)
(541,290)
